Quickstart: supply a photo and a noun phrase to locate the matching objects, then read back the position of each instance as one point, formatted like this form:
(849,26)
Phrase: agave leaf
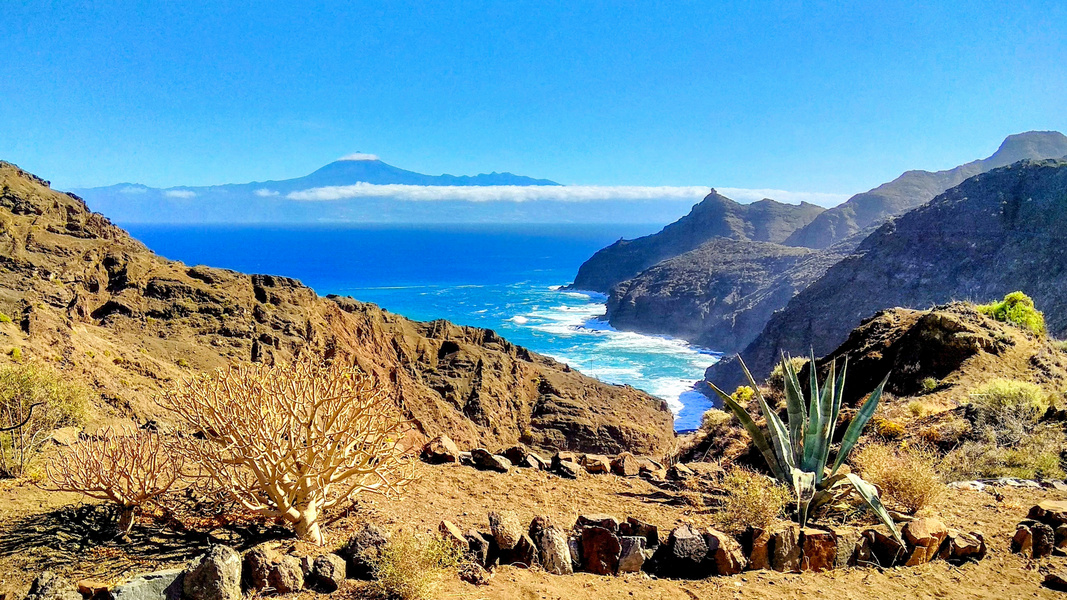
(870,495)
(835,410)
(794,401)
(855,428)
(754,432)
(815,438)
(804,488)
(779,436)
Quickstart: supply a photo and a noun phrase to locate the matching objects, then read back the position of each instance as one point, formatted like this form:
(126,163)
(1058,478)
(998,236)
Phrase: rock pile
(1043,532)
(604,545)
(442,450)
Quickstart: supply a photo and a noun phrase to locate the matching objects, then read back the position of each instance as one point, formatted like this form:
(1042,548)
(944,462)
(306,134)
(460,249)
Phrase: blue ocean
(502,277)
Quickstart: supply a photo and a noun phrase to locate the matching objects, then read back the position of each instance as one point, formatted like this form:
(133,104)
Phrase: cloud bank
(179,194)
(360,156)
(265,193)
(561,193)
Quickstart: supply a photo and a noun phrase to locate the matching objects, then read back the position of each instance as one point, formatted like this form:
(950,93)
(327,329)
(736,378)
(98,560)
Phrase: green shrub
(60,404)
(1018,309)
(4,318)
(410,567)
(15,354)
(906,475)
(776,381)
(751,500)
(743,395)
(1008,409)
(713,418)
(930,384)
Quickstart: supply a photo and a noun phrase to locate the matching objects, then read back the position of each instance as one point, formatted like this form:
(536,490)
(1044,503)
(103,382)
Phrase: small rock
(49,586)
(635,526)
(568,469)
(1061,537)
(975,486)
(453,535)
(523,554)
(535,461)
(1023,541)
(647,464)
(506,529)
(480,547)
(626,465)
(724,552)
(216,576)
(757,546)
(631,554)
(574,544)
(475,574)
(819,550)
(1052,512)
(257,565)
(597,464)
(516,454)
(1056,580)
(327,573)
(927,534)
(362,550)
(848,541)
(1044,540)
(440,450)
(600,551)
(599,520)
(685,555)
(66,436)
(554,552)
(961,547)
(490,462)
(91,588)
(287,576)
(679,472)
(466,458)
(161,585)
(885,549)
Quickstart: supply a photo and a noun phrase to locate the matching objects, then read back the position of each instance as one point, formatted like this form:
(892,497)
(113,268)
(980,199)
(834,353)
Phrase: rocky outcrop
(85,295)
(996,233)
(715,217)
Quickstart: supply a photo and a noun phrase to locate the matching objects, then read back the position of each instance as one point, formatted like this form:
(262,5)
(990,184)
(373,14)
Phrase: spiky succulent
(799,448)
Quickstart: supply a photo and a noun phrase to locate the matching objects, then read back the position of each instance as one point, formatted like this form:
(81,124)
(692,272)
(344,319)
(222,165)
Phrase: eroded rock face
(78,268)
(49,586)
(216,576)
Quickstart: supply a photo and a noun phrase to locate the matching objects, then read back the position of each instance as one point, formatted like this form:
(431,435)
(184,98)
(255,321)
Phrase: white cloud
(265,193)
(133,189)
(558,193)
(360,156)
(179,194)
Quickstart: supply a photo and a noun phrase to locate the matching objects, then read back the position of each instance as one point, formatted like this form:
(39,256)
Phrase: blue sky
(824,97)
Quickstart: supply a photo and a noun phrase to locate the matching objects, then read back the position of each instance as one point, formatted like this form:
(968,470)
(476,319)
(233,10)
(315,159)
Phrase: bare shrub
(410,567)
(34,401)
(291,441)
(751,499)
(128,470)
(906,474)
(1035,455)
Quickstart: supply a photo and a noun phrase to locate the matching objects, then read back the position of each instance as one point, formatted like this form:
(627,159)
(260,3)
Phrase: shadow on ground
(70,539)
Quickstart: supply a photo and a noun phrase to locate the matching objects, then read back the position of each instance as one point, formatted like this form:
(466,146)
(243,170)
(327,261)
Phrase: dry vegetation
(34,401)
(906,474)
(411,567)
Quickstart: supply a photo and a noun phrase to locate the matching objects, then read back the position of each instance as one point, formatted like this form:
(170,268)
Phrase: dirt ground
(40,530)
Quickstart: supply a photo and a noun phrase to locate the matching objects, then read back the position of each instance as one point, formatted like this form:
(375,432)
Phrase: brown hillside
(86,297)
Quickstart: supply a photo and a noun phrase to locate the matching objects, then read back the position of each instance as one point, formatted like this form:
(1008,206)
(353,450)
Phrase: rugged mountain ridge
(724,302)
(995,233)
(85,296)
(716,216)
(915,188)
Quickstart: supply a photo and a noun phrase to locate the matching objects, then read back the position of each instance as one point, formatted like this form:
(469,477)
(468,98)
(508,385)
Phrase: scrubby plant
(906,474)
(1036,455)
(1020,398)
(917,409)
(798,450)
(410,567)
(291,441)
(752,499)
(776,380)
(4,318)
(713,418)
(127,469)
(743,395)
(930,384)
(15,353)
(1018,309)
(34,401)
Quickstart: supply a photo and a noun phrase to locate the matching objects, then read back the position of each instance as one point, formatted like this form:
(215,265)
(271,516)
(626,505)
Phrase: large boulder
(327,573)
(516,454)
(819,549)
(362,550)
(554,551)
(597,464)
(440,450)
(161,585)
(600,550)
(216,576)
(487,461)
(506,529)
(49,586)
(626,465)
(724,553)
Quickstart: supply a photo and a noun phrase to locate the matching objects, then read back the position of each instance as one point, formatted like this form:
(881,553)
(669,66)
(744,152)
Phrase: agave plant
(799,449)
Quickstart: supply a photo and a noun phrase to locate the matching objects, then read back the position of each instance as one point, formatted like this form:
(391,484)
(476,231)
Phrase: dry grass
(410,567)
(751,499)
(1034,456)
(906,475)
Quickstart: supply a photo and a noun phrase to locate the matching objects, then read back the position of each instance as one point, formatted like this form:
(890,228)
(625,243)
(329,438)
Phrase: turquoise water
(505,278)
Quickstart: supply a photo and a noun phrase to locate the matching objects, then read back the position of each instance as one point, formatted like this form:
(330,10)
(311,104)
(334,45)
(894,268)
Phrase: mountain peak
(1029,145)
(359,156)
